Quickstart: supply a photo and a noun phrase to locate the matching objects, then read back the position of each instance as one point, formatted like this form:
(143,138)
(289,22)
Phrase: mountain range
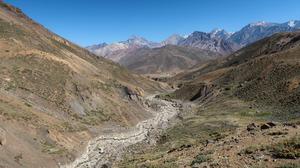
(218,40)
(63,106)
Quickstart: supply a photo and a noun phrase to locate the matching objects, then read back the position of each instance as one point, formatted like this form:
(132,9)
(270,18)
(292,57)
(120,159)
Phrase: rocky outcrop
(134,93)
(203,92)
(252,127)
(268,125)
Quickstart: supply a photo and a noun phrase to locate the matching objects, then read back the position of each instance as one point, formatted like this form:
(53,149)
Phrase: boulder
(251,127)
(104,166)
(133,93)
(272,124)
(268,125)
(265,126)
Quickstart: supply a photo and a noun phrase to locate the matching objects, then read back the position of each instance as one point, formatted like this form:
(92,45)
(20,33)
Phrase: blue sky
(88,22)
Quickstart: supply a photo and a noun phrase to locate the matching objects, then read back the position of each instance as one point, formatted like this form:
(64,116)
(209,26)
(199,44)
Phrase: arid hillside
(169,59)
(62,106)
(266,72)
(245,112)
(54,95)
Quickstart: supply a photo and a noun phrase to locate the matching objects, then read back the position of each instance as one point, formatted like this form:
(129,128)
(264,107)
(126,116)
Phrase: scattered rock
(277,133)
(272,124)
(251,127)
(185,146)
(104,166)
(258,157)
(18,158)
(209,141)
(294,125)
(172,150)
(133,93)
(117,143)
(268,125)
(265,126)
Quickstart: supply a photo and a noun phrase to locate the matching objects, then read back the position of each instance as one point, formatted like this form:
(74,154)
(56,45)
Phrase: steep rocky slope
(54,95)
(259,30)
(209,41)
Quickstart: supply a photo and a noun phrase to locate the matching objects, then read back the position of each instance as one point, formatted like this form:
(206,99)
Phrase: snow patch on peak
(217,30)
(292,23)
(219,33)
(186,35)
(260,23)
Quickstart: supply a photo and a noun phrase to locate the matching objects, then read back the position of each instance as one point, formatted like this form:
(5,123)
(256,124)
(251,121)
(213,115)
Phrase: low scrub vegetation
(288,149)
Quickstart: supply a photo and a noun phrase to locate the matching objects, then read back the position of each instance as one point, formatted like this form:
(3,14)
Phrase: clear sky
(88,22)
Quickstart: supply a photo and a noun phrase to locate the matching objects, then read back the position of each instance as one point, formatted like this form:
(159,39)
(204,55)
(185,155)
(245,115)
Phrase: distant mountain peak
(216,30)
(186,35)
(137,40)
(219,33)
(292,23)
(96,46)
(174,39)
(260,23)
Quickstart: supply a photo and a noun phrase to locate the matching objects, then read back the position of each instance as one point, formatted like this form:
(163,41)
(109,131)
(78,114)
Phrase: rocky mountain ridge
(218,40)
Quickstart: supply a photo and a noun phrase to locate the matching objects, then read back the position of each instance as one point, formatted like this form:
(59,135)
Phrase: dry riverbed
(106,148)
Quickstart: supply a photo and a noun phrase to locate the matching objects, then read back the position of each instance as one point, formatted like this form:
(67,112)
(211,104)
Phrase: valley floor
(107,148)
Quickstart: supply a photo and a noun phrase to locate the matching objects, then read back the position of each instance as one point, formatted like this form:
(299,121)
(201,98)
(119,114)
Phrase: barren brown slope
(266,72)
(55,95)
(169,59)
(245,112)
